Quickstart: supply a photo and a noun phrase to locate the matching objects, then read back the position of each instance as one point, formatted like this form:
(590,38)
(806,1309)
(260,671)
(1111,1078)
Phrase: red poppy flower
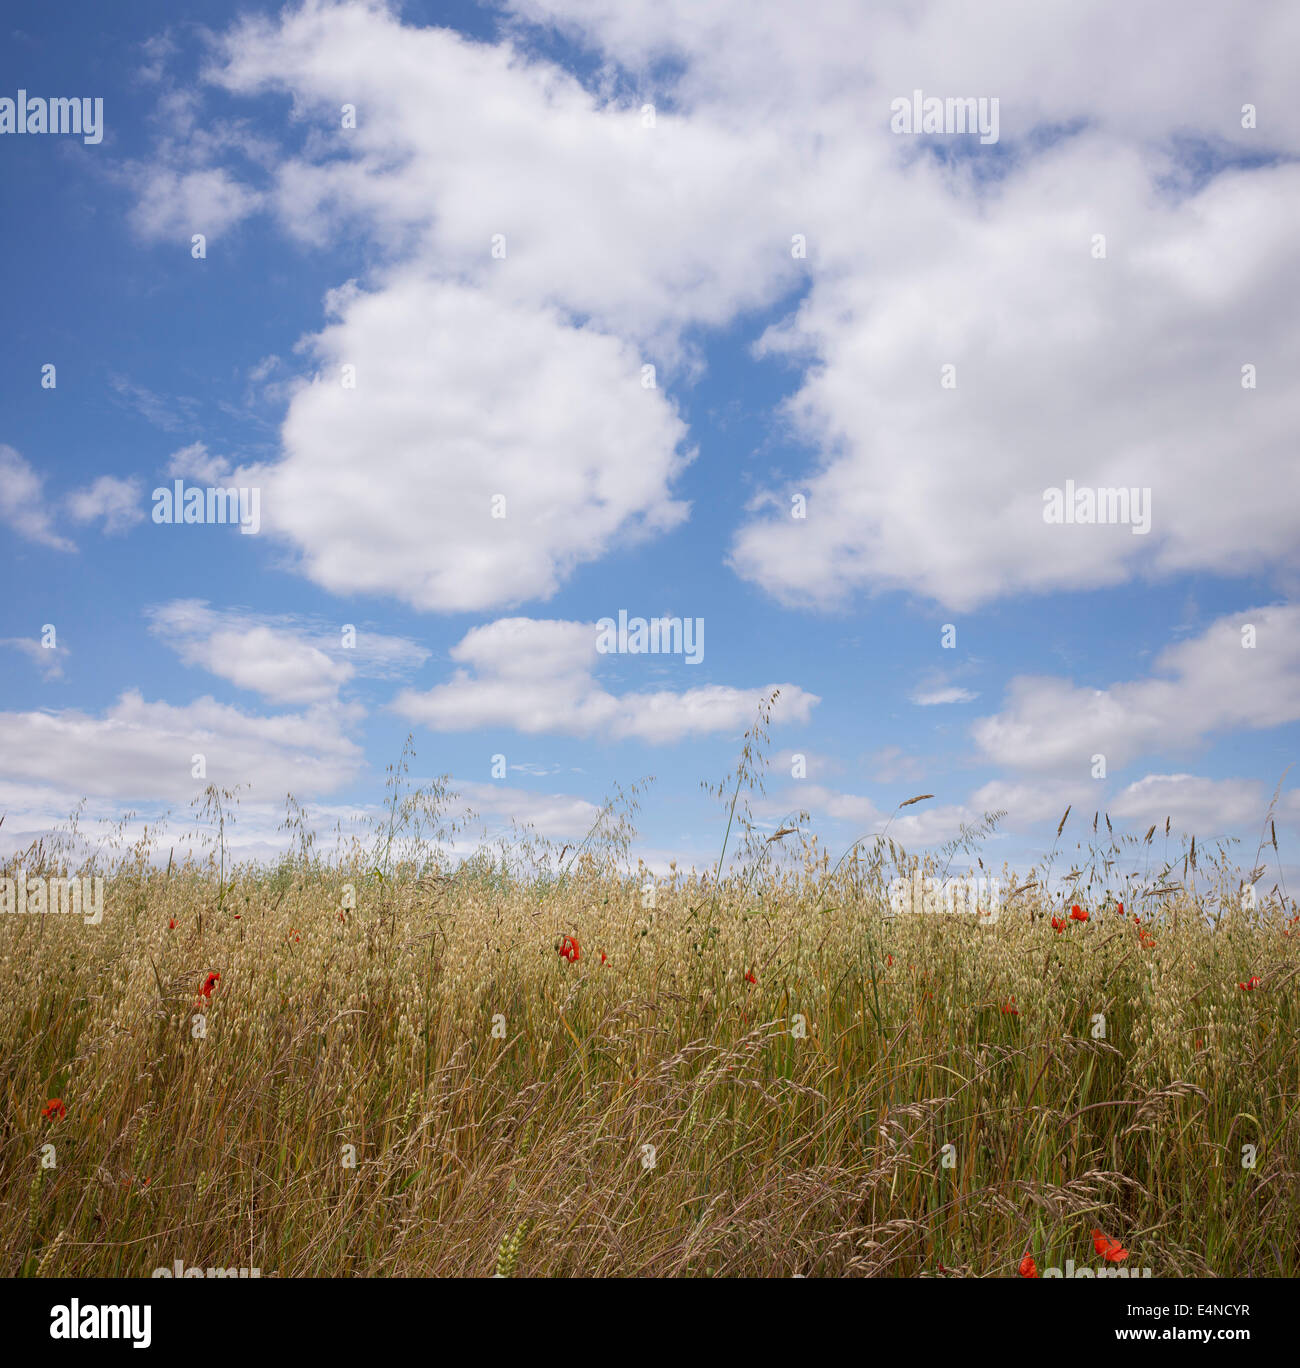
(1028,1268)
(1059,924)
(570,950)
(1121,909)
(889,960)
(1077,913)
(749,977)
(209,984)
(1145,939)
(171,923)
(1009,1010)
(54,1110)
(1110,1250)
(1251,983)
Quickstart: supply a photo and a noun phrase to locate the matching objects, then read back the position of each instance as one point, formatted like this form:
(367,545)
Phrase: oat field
(386,1065)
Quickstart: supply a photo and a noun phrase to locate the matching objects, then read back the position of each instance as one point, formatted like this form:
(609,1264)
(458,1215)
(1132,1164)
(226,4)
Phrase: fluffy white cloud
(1116,372)
(1209,684)
(283,660)
(629,225)
(263,660)
(538,676)
(792,61)
(116,501)
(389,487)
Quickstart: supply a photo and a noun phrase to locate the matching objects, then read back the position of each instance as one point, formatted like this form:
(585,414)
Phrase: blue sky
(776,375)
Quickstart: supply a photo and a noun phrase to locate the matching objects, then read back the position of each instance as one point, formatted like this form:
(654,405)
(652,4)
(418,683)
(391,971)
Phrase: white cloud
(794,61)
(48,659)
(930,698)
(913,828)
(195,462)
(283,660)
(537,676)
(181,189)
(631,226)
(115,500)
(138,750)
(1123,371)
(1199,806)
(23,506)
(280,668)
(555,815)
(176,203)
(1204,686)
(460,398)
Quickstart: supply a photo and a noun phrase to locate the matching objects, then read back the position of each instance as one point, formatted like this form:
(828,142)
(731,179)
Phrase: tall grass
(753,1071)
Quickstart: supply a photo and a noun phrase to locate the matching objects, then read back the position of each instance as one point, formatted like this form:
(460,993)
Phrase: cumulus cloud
(793,61)
(538,676)
(518,375)
(1123,372)
(629,225)
(1203,686)
(1120,371)
(485,451)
